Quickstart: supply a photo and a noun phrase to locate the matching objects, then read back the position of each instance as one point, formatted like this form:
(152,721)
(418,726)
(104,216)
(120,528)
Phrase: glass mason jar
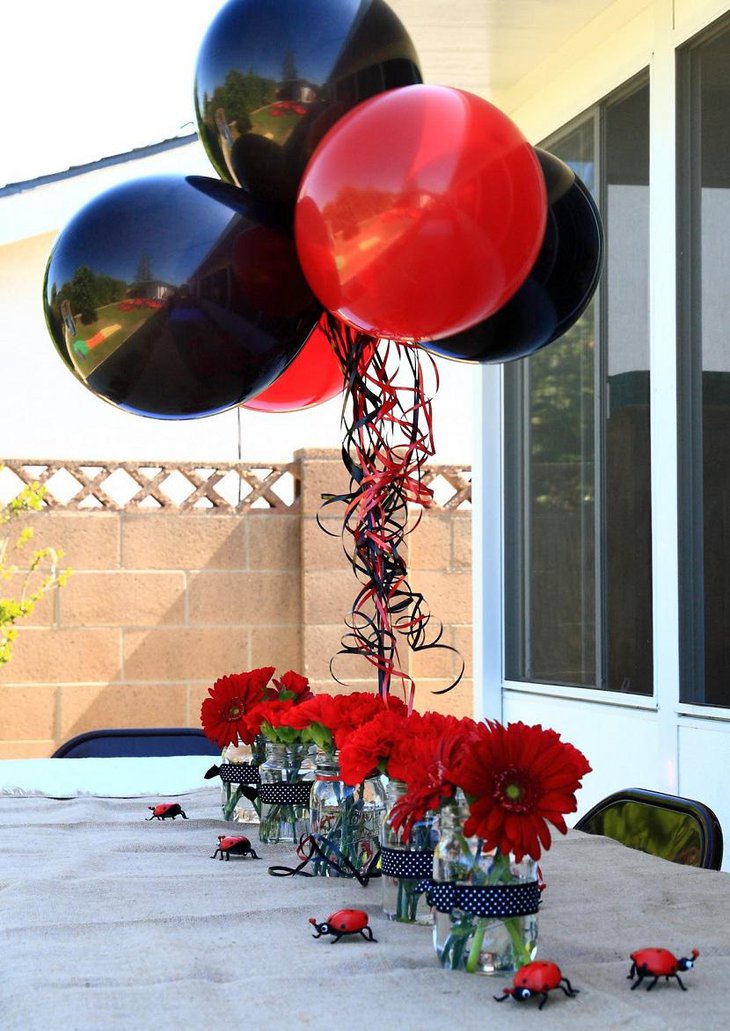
(485,904)
(345,821)
(404,865)
(286,778)
(239,770)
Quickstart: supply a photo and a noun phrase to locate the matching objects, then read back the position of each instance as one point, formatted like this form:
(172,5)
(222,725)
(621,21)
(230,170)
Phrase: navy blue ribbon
(294,792)
(239,773)
(406,864)
(499,901)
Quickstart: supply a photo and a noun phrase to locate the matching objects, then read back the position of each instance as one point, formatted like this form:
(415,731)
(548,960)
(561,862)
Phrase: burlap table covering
(112,921)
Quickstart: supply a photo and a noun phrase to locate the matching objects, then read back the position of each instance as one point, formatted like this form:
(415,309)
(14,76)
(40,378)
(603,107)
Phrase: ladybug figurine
(228,847)
(658,963)
(344,922)
(166,811)
(537,978)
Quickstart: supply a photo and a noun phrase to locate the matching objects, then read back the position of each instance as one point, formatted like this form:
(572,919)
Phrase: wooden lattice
(456,478)
(190,487)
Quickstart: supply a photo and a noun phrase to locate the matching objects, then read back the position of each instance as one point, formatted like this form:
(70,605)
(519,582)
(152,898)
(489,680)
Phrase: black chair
(678,829)
(135,741)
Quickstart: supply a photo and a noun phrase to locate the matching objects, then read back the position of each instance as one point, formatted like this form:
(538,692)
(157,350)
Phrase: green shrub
(38,575)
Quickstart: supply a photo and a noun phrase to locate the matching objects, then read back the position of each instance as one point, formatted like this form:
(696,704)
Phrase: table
(110,921)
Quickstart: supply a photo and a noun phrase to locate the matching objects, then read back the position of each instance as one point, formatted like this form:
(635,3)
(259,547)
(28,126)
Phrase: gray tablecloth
(111,921)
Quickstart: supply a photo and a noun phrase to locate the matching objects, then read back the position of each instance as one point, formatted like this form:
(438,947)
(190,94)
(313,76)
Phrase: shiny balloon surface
(146,302)
(559,287)
(420,213)
(272,77)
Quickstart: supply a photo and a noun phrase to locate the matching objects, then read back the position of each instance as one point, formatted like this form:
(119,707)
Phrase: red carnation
(293,685)
(340,714)
(430,778)
(371,746)
(274,711)
(223,713)
(518,779)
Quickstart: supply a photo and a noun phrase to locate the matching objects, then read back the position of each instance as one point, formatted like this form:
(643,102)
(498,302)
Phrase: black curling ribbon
(317,849)
(387,440)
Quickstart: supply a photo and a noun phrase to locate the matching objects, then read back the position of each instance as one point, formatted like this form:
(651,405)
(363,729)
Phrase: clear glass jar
(485,932)
(346,821)
(286,778)
(404,865)
(239,773)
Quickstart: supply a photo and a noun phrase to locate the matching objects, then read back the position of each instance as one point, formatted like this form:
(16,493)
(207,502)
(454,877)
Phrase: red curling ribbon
(388,438)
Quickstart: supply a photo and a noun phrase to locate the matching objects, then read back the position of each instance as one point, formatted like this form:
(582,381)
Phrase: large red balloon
(420,213)
(312,378)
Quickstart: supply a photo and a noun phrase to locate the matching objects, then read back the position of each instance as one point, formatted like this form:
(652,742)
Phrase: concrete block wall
(159,605)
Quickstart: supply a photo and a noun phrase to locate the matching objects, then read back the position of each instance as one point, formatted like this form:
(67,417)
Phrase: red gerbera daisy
(223,713)
(517,780)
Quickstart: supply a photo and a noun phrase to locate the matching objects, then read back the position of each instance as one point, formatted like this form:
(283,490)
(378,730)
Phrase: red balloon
(312,378)
(420,213)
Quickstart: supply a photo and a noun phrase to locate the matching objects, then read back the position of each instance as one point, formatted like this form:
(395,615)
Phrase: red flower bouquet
(498,789)
(223,713)
(328,720)
(232,715)
(516,780)
(345,818)
(395,742)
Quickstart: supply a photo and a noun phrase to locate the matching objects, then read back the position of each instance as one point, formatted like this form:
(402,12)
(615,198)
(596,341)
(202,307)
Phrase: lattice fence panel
(233,487)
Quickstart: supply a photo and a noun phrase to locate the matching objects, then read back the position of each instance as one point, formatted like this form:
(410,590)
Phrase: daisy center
(234,711)
(515,791)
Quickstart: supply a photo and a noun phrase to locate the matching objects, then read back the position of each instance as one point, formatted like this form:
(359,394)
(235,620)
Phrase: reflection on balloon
(559,287)
(420,213)
(145,300)
(315,376)
(271,79)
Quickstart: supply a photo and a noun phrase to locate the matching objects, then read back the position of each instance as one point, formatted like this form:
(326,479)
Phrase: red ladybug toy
(228,847)
(537,978)
(166,811)
(658,963)
(344,922)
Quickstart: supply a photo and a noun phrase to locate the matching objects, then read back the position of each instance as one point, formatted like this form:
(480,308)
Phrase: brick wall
(160,604)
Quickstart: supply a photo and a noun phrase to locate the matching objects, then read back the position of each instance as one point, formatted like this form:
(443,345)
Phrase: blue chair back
(136,741)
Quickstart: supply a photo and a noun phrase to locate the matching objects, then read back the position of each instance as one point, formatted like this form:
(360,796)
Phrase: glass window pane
(705,383)
(627,469)
(578,512)
(554,612)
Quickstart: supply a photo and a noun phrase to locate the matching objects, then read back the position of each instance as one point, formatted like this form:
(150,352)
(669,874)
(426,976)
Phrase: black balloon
(177,297)
(271,79)
(559,287)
